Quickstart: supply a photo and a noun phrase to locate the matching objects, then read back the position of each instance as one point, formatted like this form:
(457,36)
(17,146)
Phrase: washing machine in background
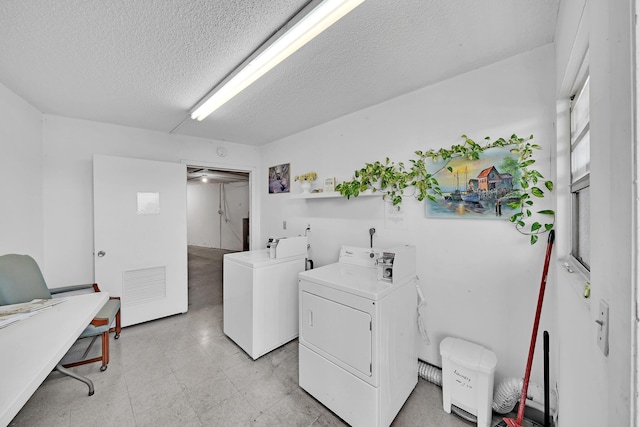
(260,295)
(357,352)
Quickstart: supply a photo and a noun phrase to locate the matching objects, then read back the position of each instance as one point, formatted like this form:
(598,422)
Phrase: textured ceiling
(147,63)
(215,176)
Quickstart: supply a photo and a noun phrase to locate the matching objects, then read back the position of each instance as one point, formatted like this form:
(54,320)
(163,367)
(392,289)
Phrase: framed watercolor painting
(480,188)
(279,179)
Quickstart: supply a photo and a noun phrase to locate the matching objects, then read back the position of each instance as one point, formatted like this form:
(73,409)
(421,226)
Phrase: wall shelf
(330,194)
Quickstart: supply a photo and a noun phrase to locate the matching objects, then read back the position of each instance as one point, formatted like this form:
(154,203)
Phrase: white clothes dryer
(357,352)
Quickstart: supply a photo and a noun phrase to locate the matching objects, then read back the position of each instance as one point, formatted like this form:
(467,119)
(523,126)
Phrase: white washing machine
(357,352)
(260,297)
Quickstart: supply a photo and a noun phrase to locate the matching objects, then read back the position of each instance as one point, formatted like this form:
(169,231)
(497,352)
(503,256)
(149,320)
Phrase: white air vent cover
(144,285)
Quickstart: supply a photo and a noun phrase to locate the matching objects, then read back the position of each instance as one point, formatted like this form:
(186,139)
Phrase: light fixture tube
(319,19)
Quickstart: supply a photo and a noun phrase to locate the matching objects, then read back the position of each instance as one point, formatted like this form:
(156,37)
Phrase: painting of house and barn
(477,188)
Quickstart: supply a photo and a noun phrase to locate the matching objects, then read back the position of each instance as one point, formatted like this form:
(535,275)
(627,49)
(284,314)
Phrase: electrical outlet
(603,328)
(284,225)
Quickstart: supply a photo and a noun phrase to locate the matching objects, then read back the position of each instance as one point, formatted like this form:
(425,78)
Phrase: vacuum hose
(505,395)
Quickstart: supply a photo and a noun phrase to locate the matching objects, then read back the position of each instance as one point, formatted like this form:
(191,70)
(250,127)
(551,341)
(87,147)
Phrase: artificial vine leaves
(397,180)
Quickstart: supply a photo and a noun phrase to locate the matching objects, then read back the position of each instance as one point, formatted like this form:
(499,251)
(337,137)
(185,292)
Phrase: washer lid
(259,258)
(354,279)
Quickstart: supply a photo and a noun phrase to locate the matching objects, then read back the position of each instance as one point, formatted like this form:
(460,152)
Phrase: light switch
(603,327)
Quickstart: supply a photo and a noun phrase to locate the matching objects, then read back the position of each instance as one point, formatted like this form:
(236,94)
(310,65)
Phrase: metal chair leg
(86,352)
(72,374)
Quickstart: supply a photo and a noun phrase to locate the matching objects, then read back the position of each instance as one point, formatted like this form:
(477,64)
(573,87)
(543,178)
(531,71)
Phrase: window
(580,170)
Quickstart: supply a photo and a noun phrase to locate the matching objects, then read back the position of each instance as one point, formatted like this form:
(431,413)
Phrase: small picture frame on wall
(279,178)
(329,185)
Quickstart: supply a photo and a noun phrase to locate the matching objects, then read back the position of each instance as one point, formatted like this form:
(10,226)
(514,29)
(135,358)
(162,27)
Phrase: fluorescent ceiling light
(319,19)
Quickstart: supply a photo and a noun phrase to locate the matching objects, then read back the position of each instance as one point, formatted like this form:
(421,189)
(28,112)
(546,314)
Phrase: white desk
(31,348)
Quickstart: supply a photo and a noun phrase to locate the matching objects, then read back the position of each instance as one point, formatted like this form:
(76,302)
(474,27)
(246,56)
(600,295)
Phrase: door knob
(101,254)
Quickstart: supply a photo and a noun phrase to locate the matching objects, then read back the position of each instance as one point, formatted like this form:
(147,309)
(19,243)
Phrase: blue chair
(21,281)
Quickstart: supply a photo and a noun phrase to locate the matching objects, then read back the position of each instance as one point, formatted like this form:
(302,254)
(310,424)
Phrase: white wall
(480,278)
(596,390)
(237,208)
(69,146)
(21,219)
(203,221)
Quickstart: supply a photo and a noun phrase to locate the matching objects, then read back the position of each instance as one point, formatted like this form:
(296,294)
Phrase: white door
(140,235)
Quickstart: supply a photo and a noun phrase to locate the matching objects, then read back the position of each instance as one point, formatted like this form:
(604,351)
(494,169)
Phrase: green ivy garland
(395,179)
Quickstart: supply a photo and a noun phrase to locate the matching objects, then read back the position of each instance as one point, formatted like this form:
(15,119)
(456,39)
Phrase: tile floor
(183,371)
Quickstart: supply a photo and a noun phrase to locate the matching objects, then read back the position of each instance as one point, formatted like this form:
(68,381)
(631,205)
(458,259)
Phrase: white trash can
(467,378)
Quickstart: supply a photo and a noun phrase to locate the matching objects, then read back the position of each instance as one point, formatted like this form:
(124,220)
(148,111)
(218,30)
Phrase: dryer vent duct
(430,373)
(506,393)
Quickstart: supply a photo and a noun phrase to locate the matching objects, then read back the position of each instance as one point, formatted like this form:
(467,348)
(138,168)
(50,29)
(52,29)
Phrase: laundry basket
(467,378)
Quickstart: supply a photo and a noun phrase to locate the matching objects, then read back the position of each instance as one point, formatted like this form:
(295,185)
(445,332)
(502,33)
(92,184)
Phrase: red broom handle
(536,322)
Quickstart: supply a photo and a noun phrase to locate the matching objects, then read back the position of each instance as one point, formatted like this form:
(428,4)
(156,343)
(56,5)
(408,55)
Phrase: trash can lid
(469,355)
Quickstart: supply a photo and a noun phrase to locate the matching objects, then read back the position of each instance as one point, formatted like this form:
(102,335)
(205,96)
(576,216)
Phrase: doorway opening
(218,208)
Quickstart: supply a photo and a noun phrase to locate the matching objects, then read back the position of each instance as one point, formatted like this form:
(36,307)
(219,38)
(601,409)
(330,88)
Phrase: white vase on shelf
(306,186)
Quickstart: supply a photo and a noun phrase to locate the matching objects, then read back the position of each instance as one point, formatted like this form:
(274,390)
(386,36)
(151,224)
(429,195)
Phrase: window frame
(583,181)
